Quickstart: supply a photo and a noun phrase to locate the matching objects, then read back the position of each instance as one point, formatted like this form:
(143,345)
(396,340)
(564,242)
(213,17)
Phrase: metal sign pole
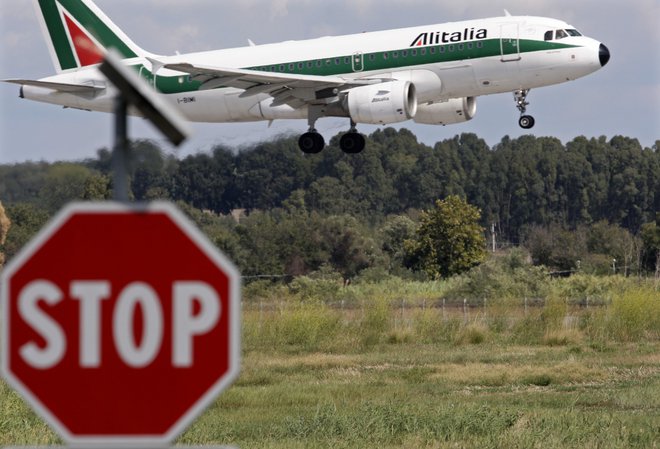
(120,152)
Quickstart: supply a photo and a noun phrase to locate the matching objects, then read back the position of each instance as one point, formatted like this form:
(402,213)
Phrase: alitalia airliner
(430,74)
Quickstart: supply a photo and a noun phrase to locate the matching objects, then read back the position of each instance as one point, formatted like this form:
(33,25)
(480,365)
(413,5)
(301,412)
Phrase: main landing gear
(312,142)
(526,121)
(352,142)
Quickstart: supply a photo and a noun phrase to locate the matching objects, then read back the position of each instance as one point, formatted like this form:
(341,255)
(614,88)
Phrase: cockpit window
(560,34)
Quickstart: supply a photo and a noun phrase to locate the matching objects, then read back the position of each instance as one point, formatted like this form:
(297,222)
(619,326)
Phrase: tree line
(354,212)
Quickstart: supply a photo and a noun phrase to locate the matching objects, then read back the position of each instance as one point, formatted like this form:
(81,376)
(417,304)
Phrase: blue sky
(623,98)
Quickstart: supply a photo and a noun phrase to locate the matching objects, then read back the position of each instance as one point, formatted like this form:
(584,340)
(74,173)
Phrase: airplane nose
(603,55)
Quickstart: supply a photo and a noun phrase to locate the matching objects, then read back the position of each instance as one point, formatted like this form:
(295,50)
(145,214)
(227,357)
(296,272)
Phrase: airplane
(429,74)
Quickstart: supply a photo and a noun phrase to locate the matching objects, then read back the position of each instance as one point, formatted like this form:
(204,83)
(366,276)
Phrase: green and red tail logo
(79,33)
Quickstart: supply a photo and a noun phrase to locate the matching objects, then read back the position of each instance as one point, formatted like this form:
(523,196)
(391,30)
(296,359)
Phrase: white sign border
(204,244)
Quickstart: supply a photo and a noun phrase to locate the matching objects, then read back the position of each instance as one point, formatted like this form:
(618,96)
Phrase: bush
(324,288)
(562,337)
(553,313)
(308,327)
(473,334)
(635,315)
(430,327)
(376,322)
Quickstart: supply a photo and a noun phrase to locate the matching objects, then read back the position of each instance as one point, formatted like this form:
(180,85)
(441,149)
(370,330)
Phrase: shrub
(554,312)
(430,327)
(562,337)
(376,322)
(307,327)
(635,314)
(473,334)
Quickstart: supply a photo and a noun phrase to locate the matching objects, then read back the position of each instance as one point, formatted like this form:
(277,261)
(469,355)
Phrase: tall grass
(361,317)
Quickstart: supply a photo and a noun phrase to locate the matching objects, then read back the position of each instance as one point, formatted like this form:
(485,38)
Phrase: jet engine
(456,110)
(384,103)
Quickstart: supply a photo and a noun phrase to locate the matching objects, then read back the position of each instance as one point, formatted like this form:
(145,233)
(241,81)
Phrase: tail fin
(79,33)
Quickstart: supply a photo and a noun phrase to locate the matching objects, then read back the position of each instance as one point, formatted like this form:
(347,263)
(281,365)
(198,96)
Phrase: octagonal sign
(120,324)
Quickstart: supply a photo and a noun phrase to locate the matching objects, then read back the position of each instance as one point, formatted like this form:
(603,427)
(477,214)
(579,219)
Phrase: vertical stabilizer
(79,33)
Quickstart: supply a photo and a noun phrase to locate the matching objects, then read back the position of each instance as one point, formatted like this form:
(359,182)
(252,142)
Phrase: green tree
(26,220)
(66,182)
(556,247)
(393,234)
(4,228)
(651,246)
(449,240)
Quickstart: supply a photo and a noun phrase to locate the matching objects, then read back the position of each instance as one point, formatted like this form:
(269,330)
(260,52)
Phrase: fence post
(261,312)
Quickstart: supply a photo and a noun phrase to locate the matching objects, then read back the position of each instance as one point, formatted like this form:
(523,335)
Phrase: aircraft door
(510,42)
(358,61)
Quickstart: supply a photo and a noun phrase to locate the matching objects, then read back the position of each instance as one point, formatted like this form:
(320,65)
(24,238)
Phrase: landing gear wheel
(352,143)
(311,143)
(526,122)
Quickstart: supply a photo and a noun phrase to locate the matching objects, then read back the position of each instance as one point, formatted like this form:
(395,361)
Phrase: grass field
(379,376)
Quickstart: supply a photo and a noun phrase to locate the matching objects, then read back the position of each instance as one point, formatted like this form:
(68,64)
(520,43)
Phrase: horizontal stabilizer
(60,87)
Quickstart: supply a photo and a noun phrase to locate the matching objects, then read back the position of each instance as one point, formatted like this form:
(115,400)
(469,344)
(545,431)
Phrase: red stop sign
(120,324)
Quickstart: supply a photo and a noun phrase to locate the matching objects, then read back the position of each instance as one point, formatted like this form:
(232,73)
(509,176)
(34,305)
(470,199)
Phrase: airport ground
(373,371)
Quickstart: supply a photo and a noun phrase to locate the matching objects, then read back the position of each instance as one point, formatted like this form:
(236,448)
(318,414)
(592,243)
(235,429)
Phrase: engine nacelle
(384,103)
(456,110)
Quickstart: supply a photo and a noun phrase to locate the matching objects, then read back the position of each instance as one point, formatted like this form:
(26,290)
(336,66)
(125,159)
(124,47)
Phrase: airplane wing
(61,87)
(285,88)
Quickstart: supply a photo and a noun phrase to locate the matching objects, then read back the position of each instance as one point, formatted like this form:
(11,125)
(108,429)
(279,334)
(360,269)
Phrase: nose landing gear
(525,121)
